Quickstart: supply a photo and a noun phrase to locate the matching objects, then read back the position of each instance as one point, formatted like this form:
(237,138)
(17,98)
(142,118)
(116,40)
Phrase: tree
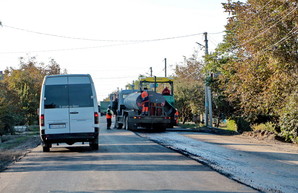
(189,89)
(267,58)
(222,107)
(20,97)
(9,110)
(262,37)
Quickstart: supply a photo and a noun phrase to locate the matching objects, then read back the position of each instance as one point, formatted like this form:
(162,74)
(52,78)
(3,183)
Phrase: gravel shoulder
(257,160)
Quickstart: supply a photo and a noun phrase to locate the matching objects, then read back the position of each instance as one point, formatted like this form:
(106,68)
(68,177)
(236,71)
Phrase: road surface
(124,162)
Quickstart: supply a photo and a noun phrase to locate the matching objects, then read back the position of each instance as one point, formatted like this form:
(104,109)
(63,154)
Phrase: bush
(269,126)
(242,125)
(231,125)
(238,124)
(288,121)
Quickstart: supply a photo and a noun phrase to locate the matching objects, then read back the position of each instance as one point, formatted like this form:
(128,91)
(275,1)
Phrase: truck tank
(134,100)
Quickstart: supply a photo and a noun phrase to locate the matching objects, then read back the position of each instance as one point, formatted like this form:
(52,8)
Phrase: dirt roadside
(261,137)
(10,155)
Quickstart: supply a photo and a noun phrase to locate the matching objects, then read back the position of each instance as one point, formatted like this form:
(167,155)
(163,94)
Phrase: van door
(81,105)
(56,109)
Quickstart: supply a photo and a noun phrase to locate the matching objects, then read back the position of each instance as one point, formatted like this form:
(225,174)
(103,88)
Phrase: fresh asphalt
(124,162)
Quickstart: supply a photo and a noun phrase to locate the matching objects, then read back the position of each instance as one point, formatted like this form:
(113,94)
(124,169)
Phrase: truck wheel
(132,127)
(119,125)
(126,123)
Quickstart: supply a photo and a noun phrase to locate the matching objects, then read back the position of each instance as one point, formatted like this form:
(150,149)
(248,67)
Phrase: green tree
(24,85)
(9,110)
(222,107)
(189,89)
(261,36)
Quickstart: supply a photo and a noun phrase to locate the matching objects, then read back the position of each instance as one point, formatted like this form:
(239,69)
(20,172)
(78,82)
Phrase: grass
(189,125)
(13,141)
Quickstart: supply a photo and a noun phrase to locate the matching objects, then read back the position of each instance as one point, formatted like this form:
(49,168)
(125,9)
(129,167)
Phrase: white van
(68,110)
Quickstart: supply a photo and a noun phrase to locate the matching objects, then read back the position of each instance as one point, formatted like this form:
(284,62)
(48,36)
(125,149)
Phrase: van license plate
(57,126)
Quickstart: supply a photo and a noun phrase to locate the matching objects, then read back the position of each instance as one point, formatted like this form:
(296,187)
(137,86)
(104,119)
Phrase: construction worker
(109,115)
(145,102)
(166,91)
(176,116)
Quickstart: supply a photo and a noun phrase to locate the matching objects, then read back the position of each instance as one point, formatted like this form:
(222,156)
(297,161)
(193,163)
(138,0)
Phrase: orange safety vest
(108,116)
(176,115)
(144,96)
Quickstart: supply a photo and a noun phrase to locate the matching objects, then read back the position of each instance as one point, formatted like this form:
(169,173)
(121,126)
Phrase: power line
(213,33)
(111,78)
(258,11)
(269,47)
(100,40)
(69,49)
(121,42)
(285,38)
(261,33)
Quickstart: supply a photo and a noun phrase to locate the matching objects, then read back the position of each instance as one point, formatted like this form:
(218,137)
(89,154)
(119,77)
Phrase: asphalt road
(124,162)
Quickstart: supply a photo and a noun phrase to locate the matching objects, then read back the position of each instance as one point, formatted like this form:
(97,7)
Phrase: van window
(80,95)
(56,96)
(64,96)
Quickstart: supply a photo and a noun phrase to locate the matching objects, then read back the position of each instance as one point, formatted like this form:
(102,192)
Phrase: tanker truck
(129,111)
(161,83)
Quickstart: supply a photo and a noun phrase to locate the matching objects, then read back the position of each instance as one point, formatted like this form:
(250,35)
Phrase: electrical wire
(269,47)
(286,37)
(258,11)
(120,42)
(112,78)
(69,49)
(255,37)
(100,40)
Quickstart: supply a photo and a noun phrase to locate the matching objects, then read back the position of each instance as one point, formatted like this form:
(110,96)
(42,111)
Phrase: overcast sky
(97,37)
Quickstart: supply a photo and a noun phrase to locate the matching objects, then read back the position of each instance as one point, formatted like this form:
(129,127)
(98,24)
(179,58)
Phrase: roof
(158,79)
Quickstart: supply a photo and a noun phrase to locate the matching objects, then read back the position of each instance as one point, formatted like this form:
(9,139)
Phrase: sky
(112,40)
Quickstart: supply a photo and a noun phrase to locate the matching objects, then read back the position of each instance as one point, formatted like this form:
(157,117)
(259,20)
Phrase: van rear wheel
(46,147)
(94,144)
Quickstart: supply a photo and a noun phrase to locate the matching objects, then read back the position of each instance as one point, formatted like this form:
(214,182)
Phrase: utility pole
(165,67)
(208,98)
(151,71)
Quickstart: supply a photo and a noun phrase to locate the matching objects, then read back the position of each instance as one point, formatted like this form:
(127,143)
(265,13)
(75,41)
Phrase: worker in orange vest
(176,116)
(145,102)
(109,115)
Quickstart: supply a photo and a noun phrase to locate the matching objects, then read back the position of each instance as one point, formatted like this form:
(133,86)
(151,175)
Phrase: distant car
(68,110)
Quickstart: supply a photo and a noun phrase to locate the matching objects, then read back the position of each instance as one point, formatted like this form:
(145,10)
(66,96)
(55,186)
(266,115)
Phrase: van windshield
(68,96)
